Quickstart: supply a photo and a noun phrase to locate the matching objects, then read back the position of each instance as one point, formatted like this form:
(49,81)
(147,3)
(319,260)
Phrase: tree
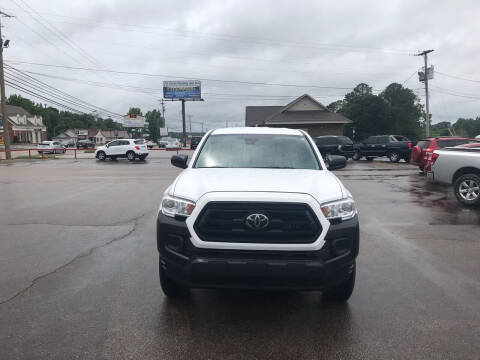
(467,127)
(134,111)
(58,121)
(368,112)
(404,110)
(155,122)
(336,106)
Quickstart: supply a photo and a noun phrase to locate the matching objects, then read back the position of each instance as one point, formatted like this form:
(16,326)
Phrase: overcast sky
(323,48)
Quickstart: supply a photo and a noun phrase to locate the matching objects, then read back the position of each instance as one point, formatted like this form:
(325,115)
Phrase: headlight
(342,209)
(172,206)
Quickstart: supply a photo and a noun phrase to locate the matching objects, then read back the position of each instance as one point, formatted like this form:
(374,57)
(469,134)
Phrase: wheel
(142,157)
(394,156)
(169,287)
(356,156)
(342,292)
(422,168)
(467,189)
(131,156)
(101,156)
(64,151)
(370,158)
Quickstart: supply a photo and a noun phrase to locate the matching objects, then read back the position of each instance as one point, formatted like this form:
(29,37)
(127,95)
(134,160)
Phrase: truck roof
(256,130)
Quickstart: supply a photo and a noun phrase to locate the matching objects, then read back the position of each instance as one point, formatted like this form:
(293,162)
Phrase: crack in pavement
(79,225)
(86,254)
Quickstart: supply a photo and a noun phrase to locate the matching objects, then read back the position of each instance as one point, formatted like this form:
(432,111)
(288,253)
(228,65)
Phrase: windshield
(257,151)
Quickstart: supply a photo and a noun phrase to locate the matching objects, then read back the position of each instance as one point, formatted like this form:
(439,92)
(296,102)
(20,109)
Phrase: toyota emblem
(257,221)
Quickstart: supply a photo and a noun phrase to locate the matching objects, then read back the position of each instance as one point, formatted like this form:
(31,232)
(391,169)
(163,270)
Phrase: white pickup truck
(459,167)
(258,208)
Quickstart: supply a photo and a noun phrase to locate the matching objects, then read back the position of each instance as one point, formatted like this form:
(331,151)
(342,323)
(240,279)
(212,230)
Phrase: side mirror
(335,162)
(179,161)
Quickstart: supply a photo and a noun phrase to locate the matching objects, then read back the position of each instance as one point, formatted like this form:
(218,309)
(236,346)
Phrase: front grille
(289,223)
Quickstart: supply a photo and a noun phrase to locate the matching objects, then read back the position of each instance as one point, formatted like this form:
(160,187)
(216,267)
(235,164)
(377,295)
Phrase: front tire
(169,287)
(131,156)
(394,156)
(356,156)
(342,292)
(101,156)
(467,189)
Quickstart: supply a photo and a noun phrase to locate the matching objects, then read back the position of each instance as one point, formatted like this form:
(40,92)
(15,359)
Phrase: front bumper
(262,269)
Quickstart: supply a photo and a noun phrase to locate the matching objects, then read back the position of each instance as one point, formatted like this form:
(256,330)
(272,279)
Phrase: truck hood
(321,184)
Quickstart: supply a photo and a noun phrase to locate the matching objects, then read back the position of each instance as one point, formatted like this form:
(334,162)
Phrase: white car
(257,207)
(52,147)
(123,148)
(173,144)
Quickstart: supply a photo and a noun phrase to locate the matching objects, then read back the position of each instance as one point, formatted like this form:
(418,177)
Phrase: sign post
(184,90)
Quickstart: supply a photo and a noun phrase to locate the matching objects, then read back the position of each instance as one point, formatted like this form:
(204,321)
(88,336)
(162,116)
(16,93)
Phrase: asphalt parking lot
(79,274)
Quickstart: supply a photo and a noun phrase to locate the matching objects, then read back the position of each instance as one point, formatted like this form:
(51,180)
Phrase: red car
(424,148)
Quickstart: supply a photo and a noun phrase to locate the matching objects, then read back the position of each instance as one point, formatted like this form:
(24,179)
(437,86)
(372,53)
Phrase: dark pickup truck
(395,147)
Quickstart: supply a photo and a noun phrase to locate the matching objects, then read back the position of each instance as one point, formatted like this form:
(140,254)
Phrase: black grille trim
(290,223)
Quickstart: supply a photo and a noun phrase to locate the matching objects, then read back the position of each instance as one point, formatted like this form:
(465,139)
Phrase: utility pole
(183,123)
(3,105)
(427,105)
(190,123)
(162,102)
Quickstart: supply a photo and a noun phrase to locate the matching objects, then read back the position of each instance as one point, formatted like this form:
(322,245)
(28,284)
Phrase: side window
(124,142)
(370,140)
(382,139)
(113,143)
(394,138)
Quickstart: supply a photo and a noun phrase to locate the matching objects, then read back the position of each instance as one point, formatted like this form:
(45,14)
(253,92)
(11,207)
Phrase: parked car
(459,167)
(395,147)
(425,148)
(334,145)
(150,144)
(469,145)
(123,148)
(173,144)
(162,143)
(195,141)
(85,144)
(51,147)
(68,143)
(257,208)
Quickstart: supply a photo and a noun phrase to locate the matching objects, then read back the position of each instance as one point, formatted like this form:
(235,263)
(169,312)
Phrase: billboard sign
(163,132)
(133,121)
(184,89)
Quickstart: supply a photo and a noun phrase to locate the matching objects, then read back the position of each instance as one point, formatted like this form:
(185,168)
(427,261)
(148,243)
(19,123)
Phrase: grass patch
(91,151)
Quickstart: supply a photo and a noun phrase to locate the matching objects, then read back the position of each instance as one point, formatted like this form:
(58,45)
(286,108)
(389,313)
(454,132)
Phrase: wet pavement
(79,274)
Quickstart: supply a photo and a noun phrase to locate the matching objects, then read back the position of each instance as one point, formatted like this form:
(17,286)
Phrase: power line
(231,37)
(457,77)
(42,36)
(27,91)
(42,84)
(181,77)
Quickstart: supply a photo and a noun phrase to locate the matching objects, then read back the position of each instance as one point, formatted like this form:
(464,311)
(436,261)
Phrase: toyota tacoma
(258,208)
